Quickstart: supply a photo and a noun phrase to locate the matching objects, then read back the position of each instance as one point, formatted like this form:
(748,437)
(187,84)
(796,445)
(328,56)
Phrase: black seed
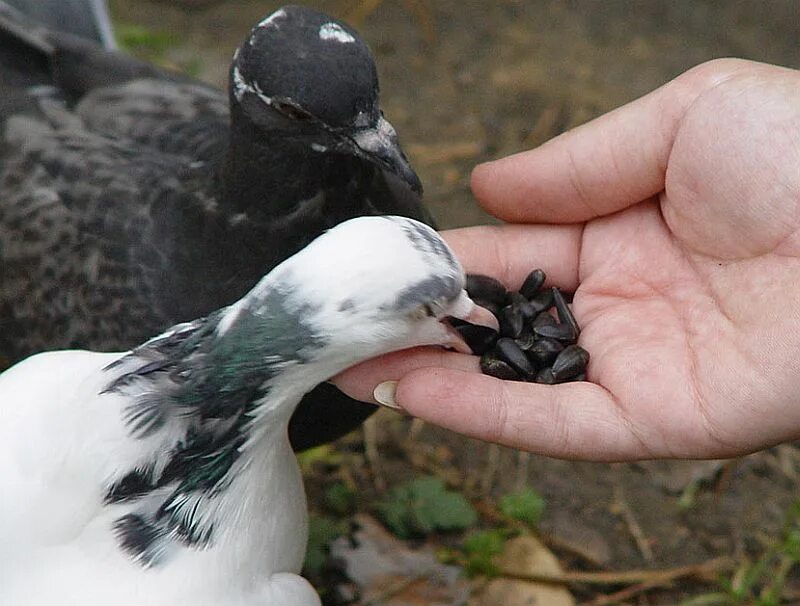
(527,339)
(561,332)
(521,304)
(580,377)
(544,352)
(486,288)
(564,312)
(570,363)
(546,377)
(479,338)
(511,321)
(510,352)
(530,287)
(543,319)
(542,301)
(495,367)
(495,309)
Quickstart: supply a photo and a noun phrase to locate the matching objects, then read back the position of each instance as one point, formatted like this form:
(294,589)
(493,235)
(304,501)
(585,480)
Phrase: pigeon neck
(206,407)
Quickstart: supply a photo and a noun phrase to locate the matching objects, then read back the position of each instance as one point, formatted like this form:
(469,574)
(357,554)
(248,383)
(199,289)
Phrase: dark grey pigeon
(132,198)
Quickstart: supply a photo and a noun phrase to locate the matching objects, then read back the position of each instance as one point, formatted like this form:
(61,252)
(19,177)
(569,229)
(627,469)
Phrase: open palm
(677,218)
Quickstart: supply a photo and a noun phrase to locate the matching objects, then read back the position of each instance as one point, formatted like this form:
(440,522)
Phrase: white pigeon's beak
(466,309)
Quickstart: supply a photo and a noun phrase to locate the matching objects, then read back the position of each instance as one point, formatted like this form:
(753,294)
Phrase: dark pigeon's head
(311,78)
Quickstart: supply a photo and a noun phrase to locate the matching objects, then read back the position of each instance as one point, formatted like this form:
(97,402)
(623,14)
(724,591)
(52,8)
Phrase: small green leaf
(324,453)
(526,506)
(321,532)
(480,549)
(143,41)
(340,499)
(423,506)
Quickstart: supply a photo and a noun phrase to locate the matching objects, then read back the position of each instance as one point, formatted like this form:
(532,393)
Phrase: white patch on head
(242,86)
(334,31)
(270,20)
(318,148)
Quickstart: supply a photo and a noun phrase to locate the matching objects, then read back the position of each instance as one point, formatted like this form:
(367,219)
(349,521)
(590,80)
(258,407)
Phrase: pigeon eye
(292,111)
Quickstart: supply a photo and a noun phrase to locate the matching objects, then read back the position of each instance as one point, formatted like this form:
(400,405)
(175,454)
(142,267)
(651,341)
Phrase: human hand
(677,219)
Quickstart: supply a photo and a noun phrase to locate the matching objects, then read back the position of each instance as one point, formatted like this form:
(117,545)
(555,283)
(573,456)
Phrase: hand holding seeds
(675,221)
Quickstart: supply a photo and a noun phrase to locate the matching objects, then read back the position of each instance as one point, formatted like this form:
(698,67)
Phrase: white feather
(64,439)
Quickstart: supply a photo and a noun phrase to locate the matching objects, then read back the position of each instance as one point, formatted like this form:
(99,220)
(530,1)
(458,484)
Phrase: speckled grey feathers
(132,199)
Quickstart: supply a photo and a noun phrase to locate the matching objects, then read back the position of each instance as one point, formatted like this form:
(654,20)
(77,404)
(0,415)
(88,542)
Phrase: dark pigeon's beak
(379,142)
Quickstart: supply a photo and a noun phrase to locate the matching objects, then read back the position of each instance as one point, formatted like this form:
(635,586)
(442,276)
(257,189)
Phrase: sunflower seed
(560,332)
(486,288)
(530,287)
(493,366)
(543,352)
(508,350)
(542,301)
(511,321)
(479,338)
(570,363)
(564,312)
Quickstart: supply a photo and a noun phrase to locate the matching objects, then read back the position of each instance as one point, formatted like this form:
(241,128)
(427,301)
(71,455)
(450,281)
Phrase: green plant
(480,548)
(760,582)
(325,454)
(321,531)
(424,505)
(144,42)
(525,506)
(340,499)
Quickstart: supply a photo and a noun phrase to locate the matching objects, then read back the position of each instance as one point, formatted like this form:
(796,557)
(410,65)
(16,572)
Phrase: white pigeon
(163,475)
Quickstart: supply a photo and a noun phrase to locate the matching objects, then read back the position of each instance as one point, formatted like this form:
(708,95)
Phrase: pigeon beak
(379,142)
(467,310)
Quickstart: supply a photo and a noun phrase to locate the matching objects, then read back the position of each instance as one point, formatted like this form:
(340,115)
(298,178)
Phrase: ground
(465,81)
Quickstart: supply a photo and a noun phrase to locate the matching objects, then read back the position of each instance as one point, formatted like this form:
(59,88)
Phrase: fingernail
(384,394)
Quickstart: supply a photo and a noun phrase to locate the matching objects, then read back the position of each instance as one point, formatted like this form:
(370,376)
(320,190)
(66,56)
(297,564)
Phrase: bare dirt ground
(465,81)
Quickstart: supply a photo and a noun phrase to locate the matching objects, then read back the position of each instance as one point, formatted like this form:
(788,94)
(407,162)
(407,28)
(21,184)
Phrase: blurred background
(466,81)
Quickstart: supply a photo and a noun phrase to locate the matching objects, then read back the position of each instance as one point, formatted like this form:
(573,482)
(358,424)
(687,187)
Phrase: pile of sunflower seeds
(533,344)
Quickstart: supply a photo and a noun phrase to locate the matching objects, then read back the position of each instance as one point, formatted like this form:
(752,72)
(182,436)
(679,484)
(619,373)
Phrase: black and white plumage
(164,475)
(132,199)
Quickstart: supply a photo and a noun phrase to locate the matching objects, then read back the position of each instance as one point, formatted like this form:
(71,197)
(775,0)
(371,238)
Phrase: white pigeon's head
(369,286)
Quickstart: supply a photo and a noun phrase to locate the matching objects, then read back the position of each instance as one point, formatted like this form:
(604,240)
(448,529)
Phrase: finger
(510,252)
(359,381)
(600,167)
(573,420)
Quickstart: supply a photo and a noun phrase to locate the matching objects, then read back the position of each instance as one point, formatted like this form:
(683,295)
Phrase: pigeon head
(369,286)
(310,78)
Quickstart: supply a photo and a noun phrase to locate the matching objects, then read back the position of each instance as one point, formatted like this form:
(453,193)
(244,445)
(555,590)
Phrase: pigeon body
(132,199)
(164,475)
